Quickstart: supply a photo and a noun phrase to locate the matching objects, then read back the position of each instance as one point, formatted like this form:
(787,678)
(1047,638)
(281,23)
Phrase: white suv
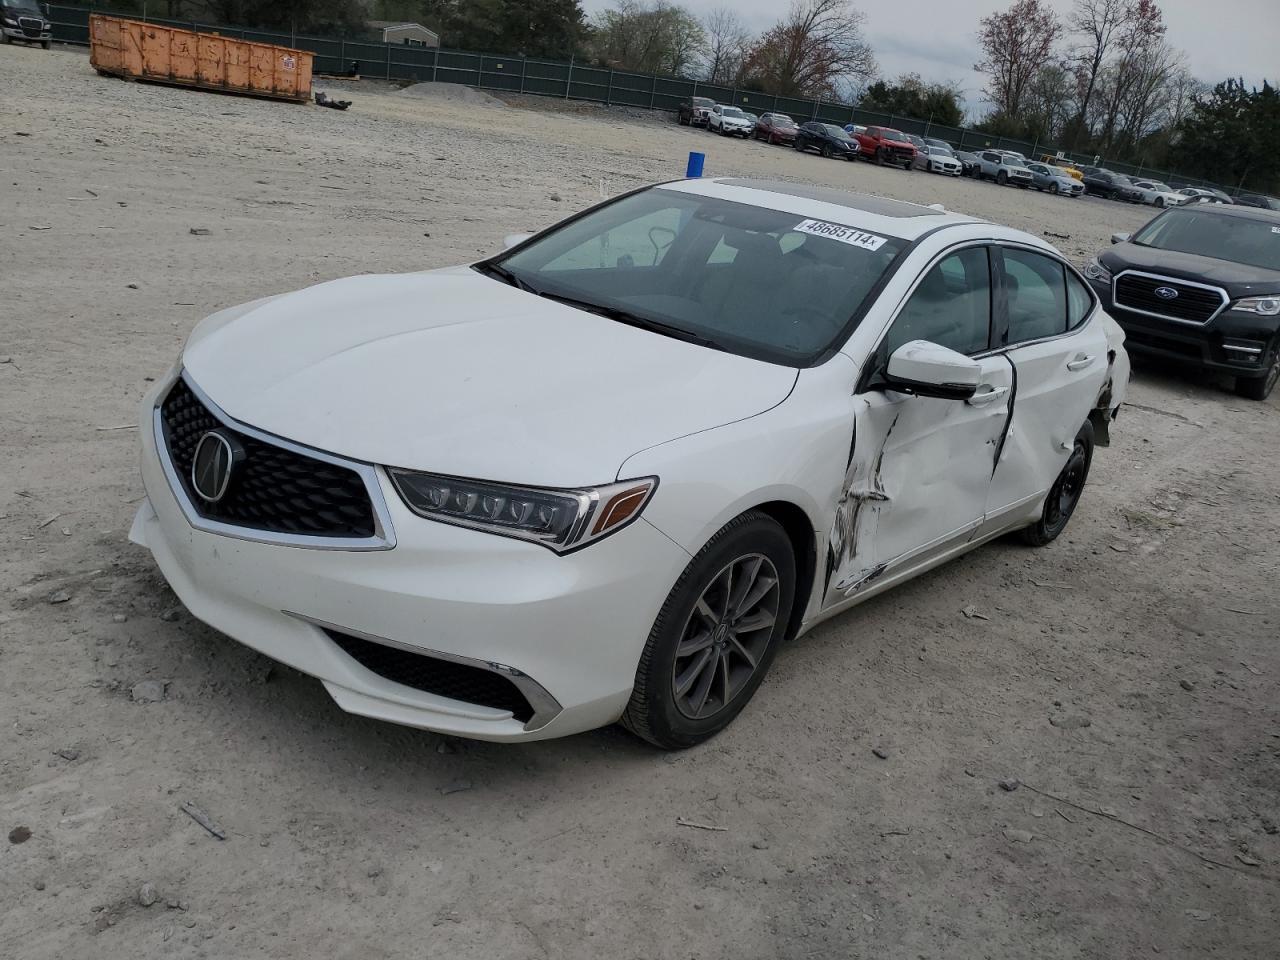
(729,121)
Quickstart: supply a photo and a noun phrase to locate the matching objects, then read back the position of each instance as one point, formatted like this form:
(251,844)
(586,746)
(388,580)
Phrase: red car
(775,128)
(886,145)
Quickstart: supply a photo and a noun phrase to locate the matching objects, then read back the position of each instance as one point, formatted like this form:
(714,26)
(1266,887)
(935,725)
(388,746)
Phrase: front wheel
(1159,201)
(1065,493)
(1002,178)
(1259,388)
(826,151)
(1053,188)
(716,635)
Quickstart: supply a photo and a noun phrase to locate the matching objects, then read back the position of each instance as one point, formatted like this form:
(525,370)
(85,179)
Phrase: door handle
(1080,362)
(987,396)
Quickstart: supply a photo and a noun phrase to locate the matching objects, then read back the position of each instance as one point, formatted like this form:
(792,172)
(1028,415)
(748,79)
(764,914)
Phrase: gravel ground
(1127,676)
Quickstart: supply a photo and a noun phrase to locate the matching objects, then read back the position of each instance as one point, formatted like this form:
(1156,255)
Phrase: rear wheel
(1259,388)
(1065,493)
(716,635)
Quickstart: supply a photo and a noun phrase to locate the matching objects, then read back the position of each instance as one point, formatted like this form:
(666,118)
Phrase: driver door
(920,468)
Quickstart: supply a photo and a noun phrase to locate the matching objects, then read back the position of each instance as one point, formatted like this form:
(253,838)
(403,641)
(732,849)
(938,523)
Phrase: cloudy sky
(935,38)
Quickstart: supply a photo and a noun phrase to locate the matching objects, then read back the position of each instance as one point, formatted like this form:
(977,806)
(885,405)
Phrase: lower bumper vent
(456,681)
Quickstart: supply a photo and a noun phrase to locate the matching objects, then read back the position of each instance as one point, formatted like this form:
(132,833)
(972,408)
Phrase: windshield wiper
(506,276)
(635,320)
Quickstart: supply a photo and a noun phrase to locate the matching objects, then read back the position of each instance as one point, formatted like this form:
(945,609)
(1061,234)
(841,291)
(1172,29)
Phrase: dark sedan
(1200,284)
(775,128)
(1259,201)
(1107,183)
(969,163)
(828,139)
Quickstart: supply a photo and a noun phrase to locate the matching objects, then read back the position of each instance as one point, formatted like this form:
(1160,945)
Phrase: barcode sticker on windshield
(833,231)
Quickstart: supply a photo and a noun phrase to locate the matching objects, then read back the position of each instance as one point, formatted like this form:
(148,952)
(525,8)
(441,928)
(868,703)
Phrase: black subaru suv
(24,20)
(1200,284)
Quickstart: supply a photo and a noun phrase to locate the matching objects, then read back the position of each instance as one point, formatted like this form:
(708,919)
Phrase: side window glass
(638,243)
(951,306)
(1037,296)
(1079,302)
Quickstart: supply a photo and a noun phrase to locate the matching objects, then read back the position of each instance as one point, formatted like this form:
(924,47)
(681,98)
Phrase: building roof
(398,25)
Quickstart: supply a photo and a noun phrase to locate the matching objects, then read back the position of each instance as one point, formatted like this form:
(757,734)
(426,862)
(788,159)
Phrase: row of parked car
(887,146)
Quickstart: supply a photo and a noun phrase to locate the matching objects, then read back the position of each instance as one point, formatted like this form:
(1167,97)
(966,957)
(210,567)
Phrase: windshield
(837,132)
(761,283)
(888,134)
(1157,185)
(23,6)
(941,151)
(730,112)
(703,102)
(781,120)
(1236,239)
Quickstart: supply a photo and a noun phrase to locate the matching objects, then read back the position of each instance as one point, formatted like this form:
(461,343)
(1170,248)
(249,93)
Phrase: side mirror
(930,370)
(1119,237)
(514,239)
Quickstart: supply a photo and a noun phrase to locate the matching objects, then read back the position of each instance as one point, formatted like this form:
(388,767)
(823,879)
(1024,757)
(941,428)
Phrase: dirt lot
(1127,675)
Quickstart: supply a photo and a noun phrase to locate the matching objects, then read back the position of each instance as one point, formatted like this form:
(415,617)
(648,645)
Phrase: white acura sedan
(606,474)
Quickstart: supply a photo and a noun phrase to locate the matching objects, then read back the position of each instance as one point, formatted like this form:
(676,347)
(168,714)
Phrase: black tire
(881,156)
(1064,495)
(825,151)
(1159,201)
(681,121)
(1053,188)
(46,44)
(1002,178)
(656,713)
(1259,388)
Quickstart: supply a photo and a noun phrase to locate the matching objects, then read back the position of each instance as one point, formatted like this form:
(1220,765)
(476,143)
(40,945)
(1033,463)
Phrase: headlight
(562,520)
(10,22)
(1265,306)
(1096,271)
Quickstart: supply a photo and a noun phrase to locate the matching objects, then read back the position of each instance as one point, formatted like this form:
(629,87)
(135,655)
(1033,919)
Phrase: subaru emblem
(1166,293)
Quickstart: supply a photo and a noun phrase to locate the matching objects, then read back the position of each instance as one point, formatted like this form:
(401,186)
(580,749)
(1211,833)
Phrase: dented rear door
(1058,346)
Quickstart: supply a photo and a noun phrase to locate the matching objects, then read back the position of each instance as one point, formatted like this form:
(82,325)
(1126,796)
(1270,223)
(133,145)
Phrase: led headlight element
(1265,306)
(1096,271)
(561,520)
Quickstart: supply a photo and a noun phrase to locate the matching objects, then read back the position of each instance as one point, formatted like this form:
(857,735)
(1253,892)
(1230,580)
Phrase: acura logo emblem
(1166,293)
(217,455)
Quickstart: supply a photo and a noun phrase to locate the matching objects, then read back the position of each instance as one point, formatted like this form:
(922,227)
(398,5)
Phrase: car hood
(453,372)
(1238,279)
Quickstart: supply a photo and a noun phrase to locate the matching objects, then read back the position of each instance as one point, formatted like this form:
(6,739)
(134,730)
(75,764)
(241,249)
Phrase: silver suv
(1003,168)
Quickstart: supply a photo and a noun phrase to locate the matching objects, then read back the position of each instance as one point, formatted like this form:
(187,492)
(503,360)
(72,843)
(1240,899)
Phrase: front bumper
(18,33)
(1233,343)
(571,626)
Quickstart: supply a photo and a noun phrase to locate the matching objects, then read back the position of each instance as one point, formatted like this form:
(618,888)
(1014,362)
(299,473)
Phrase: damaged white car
(606,474)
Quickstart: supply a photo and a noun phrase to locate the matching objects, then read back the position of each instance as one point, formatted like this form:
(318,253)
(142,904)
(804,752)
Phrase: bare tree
(1016,43)
(648,36)
(1096,22)
(727,43)
(1141,50)
(809,50)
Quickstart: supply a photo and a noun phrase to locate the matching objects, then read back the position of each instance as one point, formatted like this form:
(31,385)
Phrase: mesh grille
(274,489)
(457,681)
(1192,303)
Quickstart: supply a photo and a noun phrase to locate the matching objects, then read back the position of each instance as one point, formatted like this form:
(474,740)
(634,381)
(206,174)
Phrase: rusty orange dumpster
(148,51)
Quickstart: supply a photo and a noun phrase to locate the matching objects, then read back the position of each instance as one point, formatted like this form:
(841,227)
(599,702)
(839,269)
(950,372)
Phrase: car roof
(896,218)
(1238,212)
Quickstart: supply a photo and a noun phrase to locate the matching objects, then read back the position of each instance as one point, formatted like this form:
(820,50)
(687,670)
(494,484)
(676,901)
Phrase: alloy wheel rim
(1067,489)
(726,636)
